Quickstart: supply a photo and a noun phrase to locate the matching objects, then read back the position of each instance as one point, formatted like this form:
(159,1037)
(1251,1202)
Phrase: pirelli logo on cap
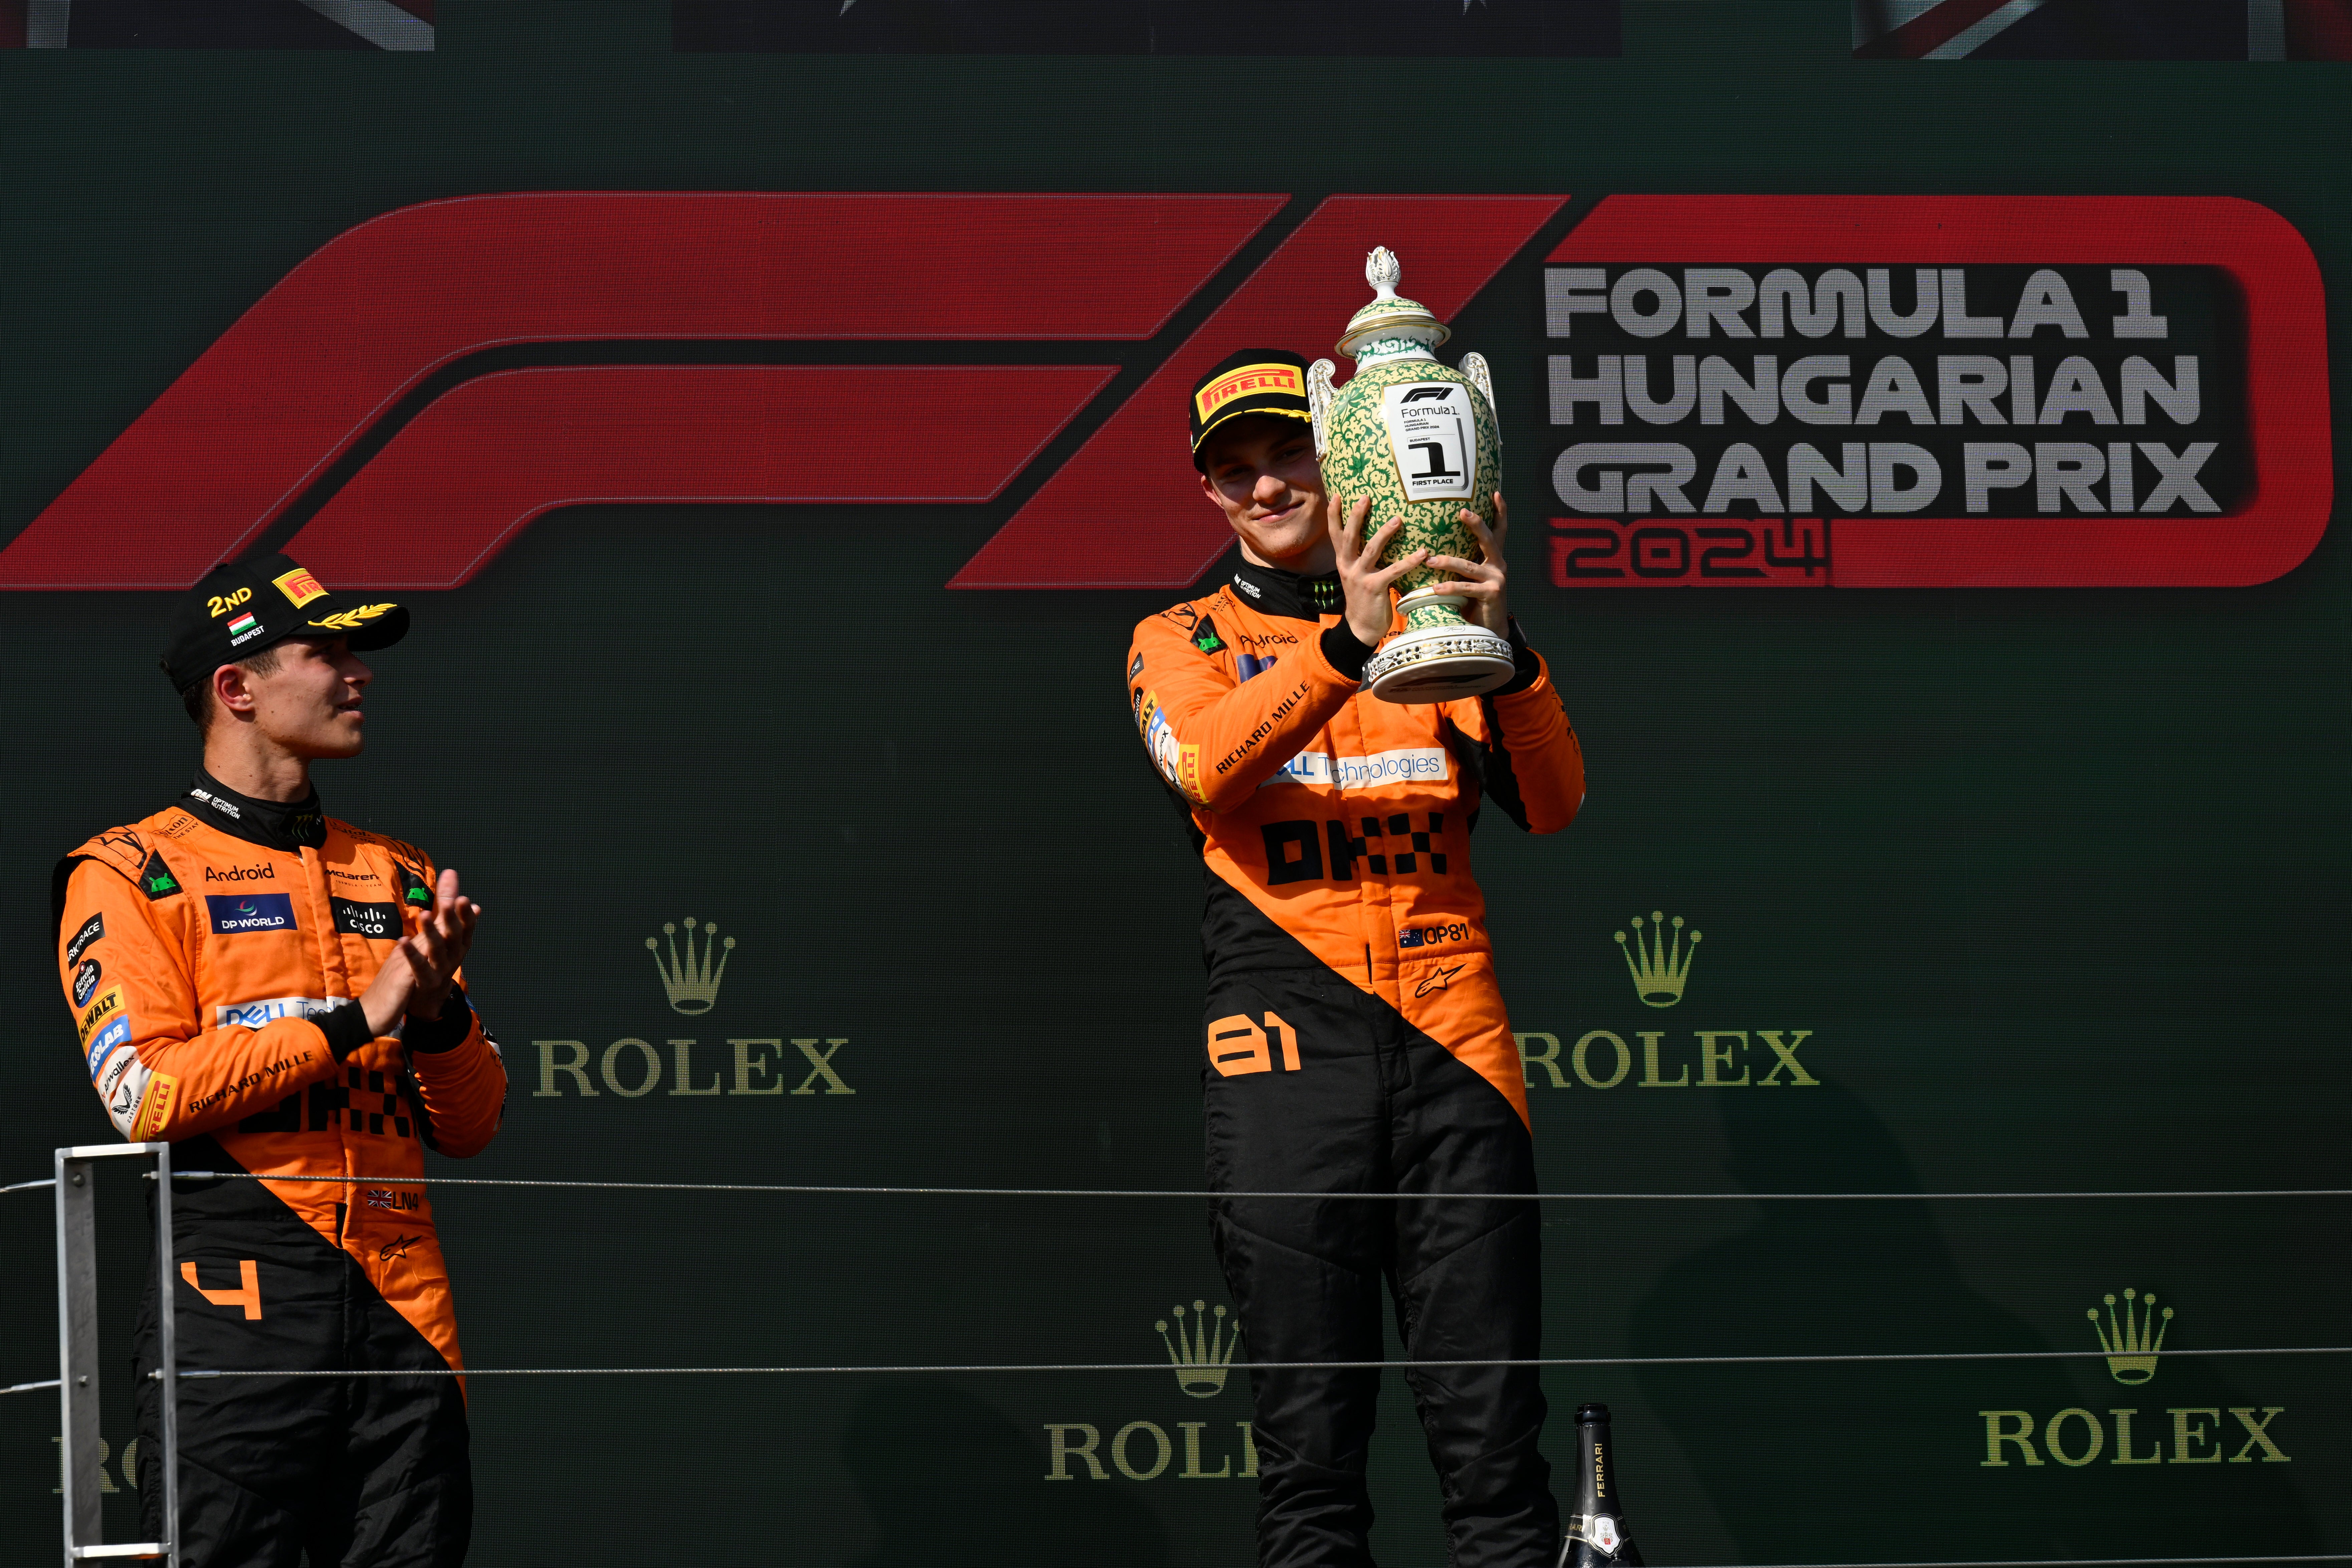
(1249,381)
(299,587)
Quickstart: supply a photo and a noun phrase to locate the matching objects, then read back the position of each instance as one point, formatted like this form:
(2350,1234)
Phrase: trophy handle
(1474,365)
(1318,400)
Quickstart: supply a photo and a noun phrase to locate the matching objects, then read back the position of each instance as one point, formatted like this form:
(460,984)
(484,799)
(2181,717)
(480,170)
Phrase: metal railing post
(77,1432)
(81,1461)
(168,1357)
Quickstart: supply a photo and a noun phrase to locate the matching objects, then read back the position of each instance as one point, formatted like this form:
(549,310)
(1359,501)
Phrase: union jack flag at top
(2103,29)
(216,24)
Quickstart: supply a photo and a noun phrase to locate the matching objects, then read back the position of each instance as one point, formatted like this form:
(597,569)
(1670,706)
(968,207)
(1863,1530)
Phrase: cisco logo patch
(381,921)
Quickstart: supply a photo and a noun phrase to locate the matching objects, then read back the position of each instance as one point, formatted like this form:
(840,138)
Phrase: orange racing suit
(1356,1042)
(212,955)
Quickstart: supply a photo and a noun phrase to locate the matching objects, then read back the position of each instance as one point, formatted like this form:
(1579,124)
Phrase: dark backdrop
(2052,878)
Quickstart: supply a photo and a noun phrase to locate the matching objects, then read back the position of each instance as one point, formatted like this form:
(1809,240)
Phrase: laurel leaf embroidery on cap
(349,620)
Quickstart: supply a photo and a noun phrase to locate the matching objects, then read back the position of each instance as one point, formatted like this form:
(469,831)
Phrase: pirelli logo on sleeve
(1249,381)
(155,1107)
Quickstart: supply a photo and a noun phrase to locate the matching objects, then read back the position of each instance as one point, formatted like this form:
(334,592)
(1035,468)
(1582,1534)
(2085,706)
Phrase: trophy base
(1439,664)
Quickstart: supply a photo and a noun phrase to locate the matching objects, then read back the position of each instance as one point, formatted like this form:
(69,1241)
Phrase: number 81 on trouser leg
(1238,1044)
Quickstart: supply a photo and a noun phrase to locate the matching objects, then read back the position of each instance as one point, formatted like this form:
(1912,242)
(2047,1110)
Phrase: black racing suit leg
(266,1294)
(1469,1287)
(404,1494)
(1305,1274)
(355,1472)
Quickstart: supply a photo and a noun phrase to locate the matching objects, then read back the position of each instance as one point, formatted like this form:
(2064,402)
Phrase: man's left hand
(437,950)
(1482,581)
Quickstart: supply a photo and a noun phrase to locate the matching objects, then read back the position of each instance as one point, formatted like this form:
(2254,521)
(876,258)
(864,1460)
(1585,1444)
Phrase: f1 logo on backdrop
(386,315)
(343,404)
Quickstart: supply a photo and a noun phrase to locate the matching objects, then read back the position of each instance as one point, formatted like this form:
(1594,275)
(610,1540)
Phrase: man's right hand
(438,949)
(1370,608)
(385,1001)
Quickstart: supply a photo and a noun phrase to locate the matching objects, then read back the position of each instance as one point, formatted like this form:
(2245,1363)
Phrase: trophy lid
(1388,320)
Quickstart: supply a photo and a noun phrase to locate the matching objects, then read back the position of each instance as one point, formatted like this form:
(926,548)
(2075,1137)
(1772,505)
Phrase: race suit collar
(272,824)
(1273,592)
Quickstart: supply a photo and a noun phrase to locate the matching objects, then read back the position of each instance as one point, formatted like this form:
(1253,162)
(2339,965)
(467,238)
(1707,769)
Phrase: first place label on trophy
(1434,435)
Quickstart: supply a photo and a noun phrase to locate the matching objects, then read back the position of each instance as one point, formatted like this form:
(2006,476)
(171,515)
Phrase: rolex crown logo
(1660,964)
(1201,1351)
(692,981)
(2133,1344)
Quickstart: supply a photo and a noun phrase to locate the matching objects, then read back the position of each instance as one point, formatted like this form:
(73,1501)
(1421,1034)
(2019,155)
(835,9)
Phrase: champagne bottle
(1596,1530)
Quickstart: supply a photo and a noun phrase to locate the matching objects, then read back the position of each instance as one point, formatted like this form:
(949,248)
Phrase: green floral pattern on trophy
(1359,460)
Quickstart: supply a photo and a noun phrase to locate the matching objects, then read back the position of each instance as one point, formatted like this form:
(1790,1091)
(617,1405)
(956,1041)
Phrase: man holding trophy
(1331,747)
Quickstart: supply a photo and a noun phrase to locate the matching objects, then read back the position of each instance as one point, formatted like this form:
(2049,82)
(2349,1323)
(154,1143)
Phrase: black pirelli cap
(1254,381)
(245,606)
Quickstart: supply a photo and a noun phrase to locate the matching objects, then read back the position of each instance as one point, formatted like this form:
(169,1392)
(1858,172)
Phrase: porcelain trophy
(1420,441)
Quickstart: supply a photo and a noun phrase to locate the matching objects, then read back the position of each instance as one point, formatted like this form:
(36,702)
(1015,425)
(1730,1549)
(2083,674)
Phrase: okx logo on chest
(1397,844)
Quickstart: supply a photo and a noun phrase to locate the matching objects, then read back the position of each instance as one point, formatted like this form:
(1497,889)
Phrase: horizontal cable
(28,1186)
(1271,1366)
(817,1191)
(28,1387)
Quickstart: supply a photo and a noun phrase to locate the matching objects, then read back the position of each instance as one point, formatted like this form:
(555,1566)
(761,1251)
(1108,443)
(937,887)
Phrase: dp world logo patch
(235,913)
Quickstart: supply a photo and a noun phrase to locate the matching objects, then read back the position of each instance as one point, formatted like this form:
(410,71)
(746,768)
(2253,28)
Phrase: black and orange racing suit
(212,955)
(1356,1042)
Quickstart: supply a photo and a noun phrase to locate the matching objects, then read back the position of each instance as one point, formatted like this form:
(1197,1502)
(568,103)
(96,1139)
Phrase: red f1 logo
(356,392)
